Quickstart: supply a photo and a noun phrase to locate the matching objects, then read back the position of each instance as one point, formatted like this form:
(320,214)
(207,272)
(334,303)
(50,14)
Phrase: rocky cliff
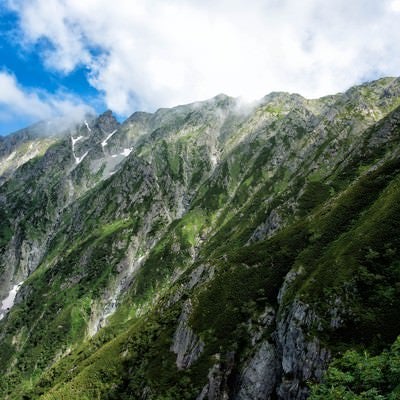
(210,251)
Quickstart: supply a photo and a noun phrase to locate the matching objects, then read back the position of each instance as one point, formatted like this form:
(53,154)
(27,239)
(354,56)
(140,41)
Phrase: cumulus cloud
(151,53)
(16,101)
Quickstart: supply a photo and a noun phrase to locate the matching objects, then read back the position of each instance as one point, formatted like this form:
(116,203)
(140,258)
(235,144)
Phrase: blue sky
(70,57)
(25,63)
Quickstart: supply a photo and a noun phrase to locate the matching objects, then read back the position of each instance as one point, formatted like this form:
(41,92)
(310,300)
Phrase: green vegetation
(5,230)
(362,376)
(305,187)
(314,194)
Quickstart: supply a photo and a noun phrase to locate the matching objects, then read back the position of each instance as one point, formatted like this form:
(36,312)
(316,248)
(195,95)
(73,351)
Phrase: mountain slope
(207,251)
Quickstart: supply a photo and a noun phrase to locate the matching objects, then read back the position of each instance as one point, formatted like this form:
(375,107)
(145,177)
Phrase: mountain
(216,250)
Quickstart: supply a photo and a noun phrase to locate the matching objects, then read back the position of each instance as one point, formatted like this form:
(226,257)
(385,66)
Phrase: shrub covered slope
(208,251)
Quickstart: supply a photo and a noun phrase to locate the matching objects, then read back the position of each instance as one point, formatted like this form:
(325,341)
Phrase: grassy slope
(345,238)
(246,280)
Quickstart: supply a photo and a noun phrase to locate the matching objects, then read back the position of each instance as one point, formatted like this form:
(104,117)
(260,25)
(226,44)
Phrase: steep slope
(207,251)
(18,148)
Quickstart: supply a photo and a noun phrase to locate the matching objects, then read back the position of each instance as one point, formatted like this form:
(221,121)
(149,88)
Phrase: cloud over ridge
(151,53)
(34,103)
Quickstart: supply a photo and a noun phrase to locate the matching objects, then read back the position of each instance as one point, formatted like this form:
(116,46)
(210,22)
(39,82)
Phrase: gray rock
(259,376)
(267,228)
(289,279)
(217,387)
(186,345)
(302,358)
(258,328)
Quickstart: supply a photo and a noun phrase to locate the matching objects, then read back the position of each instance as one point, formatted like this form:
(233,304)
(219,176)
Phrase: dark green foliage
(314,194)
(354,252)
(61,317)
(5,229)
(361,376)
(335,192)
(248,280)
(151,364)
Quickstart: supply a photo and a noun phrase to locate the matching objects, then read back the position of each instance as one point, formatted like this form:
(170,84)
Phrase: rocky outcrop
(217,387)
(267,228)
(285,360)
(281,364)
(260,375)
(302,358)
(186,345)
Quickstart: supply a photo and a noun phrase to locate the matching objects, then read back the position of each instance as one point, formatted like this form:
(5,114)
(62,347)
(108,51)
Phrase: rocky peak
(106,122)
(138,116)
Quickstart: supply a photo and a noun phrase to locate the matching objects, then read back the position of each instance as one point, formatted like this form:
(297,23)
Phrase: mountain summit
(213,250)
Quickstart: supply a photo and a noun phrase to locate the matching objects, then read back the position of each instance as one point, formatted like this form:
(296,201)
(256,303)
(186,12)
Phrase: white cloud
(152,53)
(395,5)
(16,101)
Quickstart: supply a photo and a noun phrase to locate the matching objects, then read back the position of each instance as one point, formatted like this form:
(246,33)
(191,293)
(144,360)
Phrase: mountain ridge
(180,254)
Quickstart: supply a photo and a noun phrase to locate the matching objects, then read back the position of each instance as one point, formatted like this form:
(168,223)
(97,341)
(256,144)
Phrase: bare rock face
(187,346)
(211,391)
(284,360)
(268,228)
(259,377)
(217,387)
(302,358)
(105,124)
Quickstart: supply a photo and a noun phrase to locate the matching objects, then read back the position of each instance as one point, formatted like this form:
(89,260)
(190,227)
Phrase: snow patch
(8,302)
(75,140)
(87,126)
(104,142)
(78,160)
(126,152)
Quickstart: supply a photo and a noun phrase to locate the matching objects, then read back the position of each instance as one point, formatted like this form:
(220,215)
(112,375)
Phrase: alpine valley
(216,250)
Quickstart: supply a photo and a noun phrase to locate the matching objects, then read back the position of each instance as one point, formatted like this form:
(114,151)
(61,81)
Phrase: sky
(72,57)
